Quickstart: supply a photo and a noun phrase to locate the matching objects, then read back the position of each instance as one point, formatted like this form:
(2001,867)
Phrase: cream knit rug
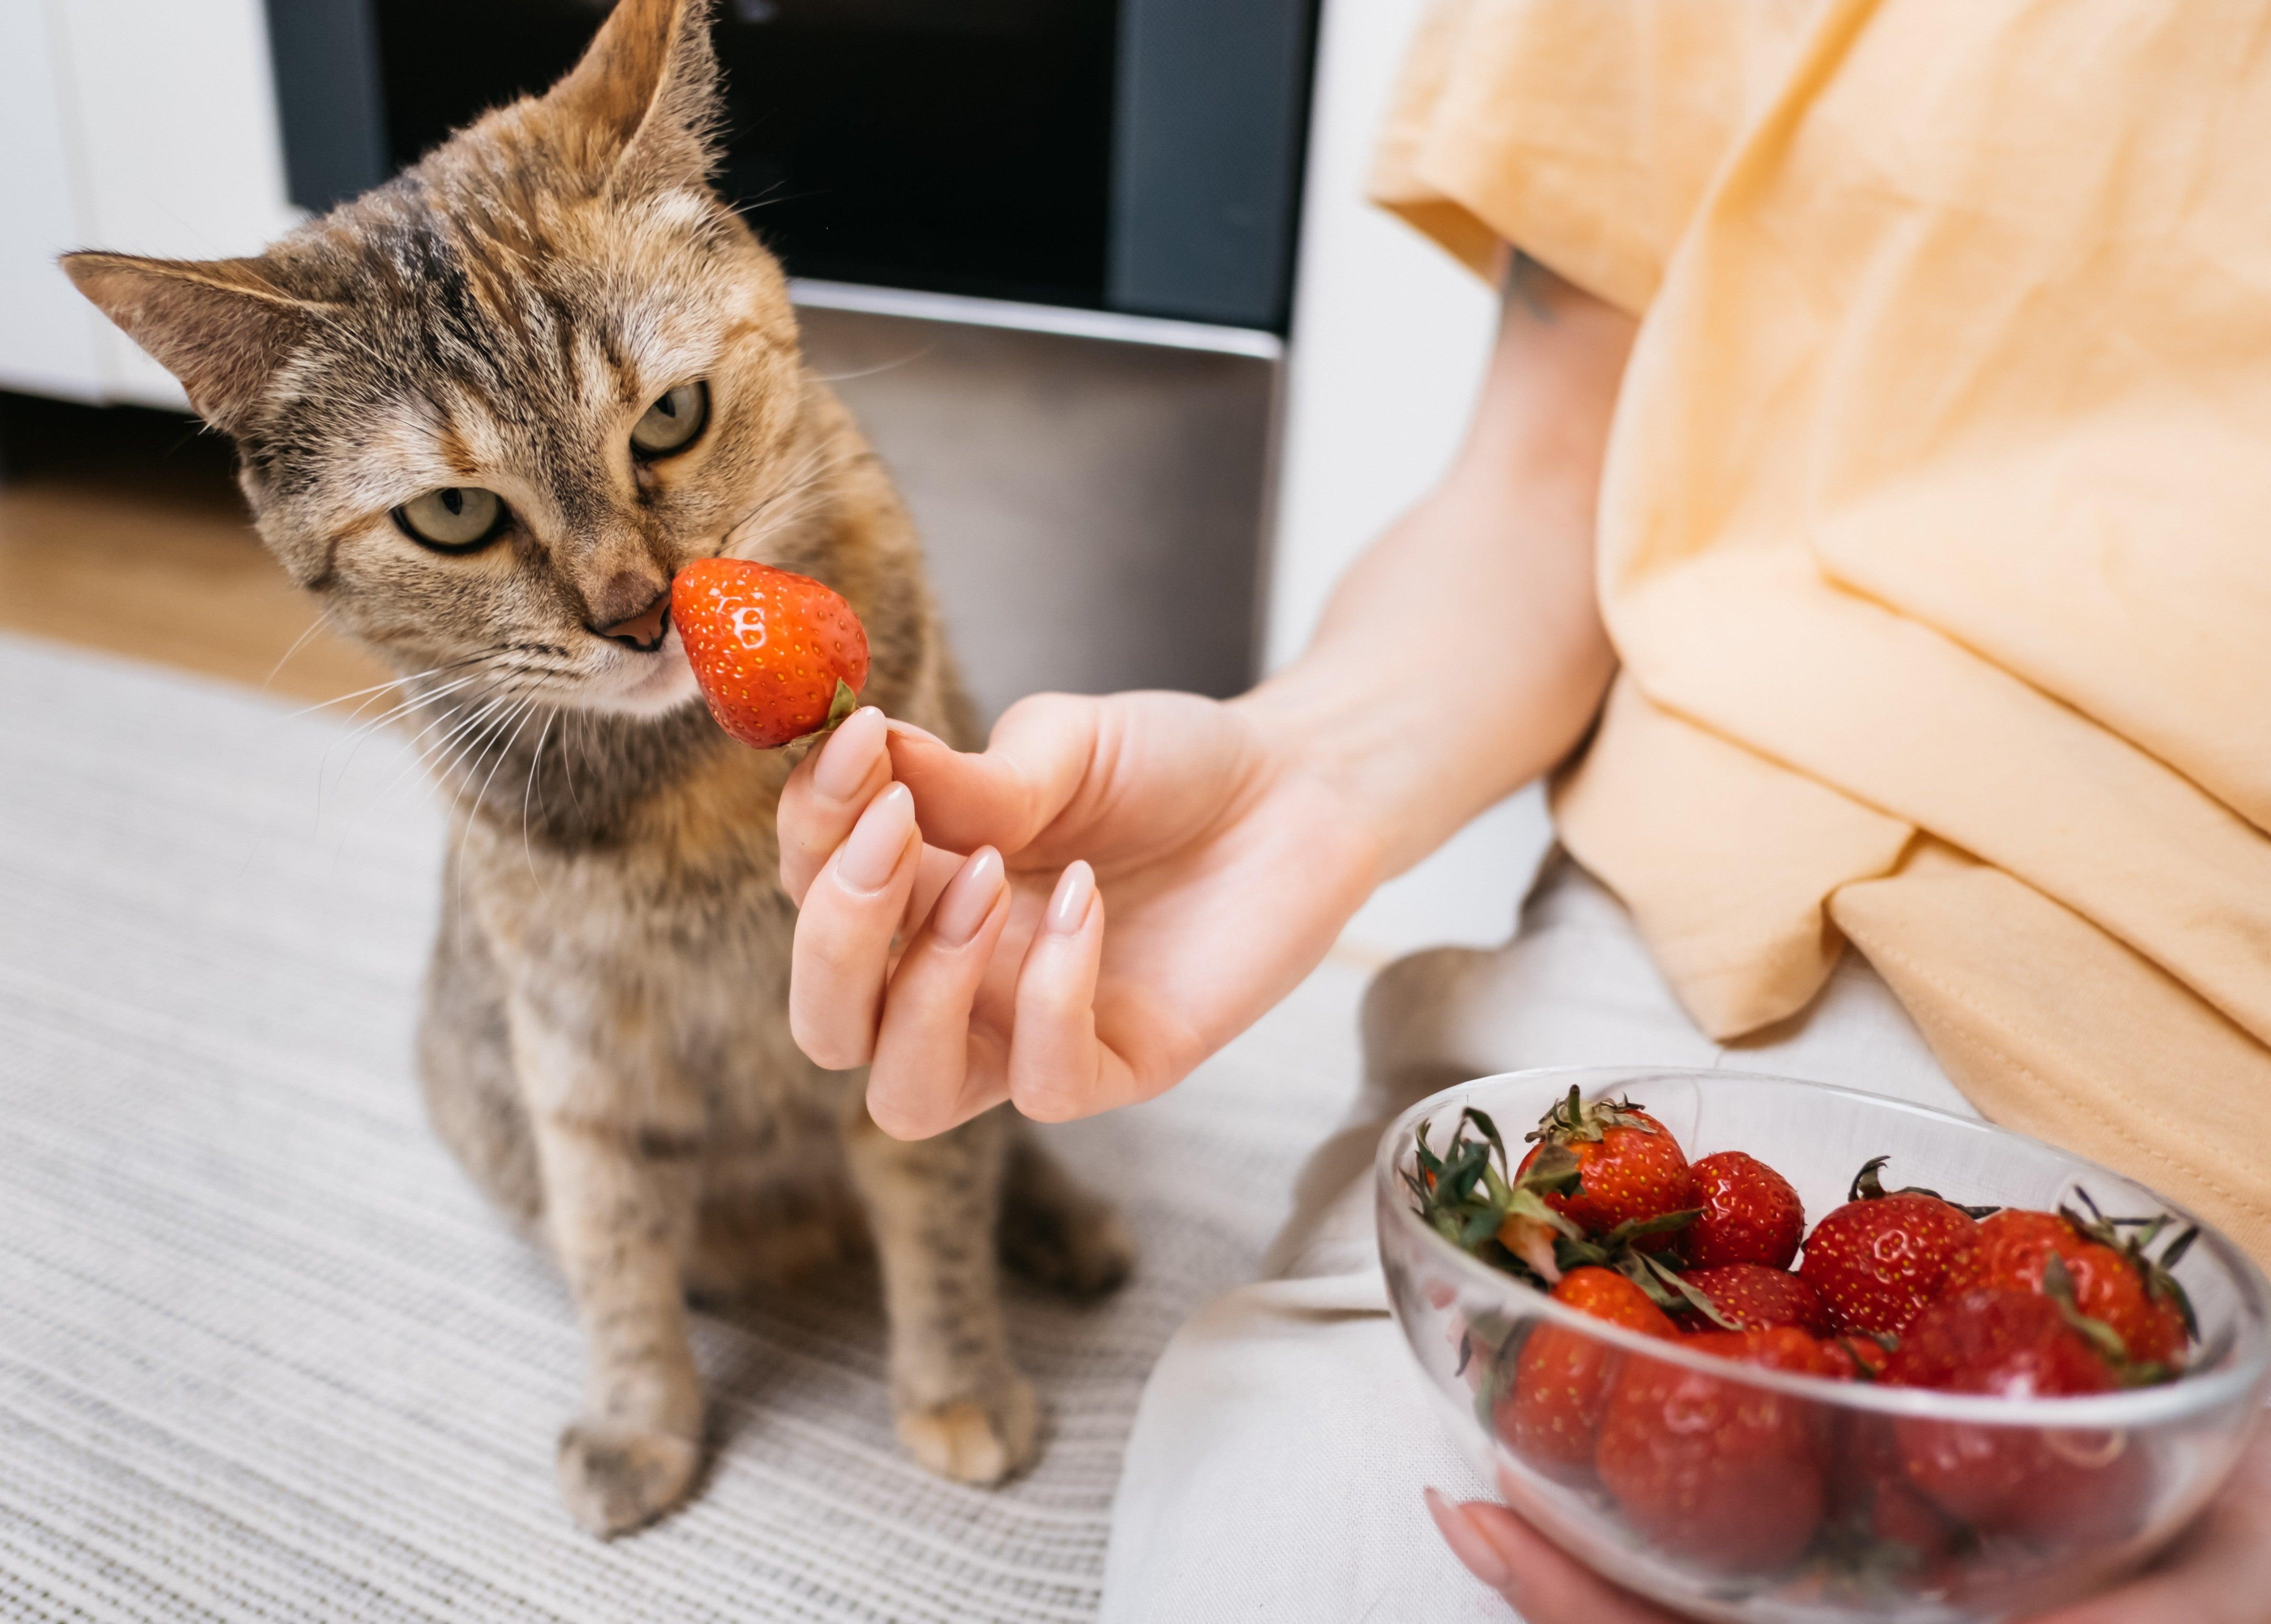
(265,1356)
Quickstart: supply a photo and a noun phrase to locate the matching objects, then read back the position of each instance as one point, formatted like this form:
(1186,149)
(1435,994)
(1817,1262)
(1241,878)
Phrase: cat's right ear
(220,325)
(643,104)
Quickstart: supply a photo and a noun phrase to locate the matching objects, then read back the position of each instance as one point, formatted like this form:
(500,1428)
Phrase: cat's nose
(643,630)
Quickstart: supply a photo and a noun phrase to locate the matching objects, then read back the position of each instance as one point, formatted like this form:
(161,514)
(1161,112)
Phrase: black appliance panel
(1135,155)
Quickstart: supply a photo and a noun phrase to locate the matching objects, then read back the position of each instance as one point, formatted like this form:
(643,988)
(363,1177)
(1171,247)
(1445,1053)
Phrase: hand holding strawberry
(779,655)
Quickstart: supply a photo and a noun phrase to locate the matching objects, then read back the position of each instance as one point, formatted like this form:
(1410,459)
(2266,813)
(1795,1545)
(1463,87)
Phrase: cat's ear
(642,103)
(221,326)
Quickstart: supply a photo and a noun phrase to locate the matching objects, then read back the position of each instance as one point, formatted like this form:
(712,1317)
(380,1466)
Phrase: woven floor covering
(265,1354)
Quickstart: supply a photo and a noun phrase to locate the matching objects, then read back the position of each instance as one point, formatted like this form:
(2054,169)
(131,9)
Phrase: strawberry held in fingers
(778,655)
(1880,1258)
(1630,1170)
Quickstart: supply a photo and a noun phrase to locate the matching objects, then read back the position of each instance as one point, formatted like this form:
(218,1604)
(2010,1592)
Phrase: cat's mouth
(644,682)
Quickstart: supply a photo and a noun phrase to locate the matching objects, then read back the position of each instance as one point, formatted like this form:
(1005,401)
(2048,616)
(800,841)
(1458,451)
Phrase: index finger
(824,797)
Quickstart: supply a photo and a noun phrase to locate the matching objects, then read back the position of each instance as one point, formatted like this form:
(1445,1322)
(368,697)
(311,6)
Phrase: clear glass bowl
(1749,1494)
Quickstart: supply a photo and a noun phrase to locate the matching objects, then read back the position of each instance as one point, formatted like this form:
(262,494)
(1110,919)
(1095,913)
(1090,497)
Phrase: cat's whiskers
(471,730)
(458,773)
(375,688)
(517,719)
(471,736)
(355,739)
(454,721)
(535,758)
(322,617)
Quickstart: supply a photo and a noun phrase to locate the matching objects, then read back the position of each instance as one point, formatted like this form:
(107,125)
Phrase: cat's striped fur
(605,1043)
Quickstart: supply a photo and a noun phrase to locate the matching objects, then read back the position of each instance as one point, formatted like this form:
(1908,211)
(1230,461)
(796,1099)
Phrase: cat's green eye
(672,423)
(456,520)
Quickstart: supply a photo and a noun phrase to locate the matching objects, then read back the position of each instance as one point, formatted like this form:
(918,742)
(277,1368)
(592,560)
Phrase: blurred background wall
(1098,278)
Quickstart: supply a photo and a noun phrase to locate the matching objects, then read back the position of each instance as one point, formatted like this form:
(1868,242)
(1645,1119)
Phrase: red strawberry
(1561,1376)
(1750,1214)
(1630,1170)
(1753,1297)
(1856,1359)
(1870,1493)
(2038,1482)
(1719,1472)
(1880,1258)
(778,655)
(2106,1280)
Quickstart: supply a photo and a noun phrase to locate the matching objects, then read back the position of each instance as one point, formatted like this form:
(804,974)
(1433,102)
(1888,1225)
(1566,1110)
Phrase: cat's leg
(465,1065)
(1053,1232)
(622,1186)
(963,1409)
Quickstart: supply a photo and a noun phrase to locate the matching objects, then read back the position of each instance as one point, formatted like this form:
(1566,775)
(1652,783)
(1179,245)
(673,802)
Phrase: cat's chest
(680,925)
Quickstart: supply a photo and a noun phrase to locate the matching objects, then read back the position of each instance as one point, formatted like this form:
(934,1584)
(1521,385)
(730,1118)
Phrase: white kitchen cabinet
(144,125)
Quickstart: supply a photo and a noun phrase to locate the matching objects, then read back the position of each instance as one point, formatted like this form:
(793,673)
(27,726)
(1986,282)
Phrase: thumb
(1007,794)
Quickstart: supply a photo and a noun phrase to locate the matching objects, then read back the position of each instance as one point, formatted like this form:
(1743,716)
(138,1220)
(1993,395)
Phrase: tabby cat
(482,413)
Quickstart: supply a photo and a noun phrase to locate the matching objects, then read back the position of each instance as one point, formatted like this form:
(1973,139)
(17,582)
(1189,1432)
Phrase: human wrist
(1318,727)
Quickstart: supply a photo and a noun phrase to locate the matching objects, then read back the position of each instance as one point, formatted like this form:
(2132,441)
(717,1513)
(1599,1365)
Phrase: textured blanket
(266,1355)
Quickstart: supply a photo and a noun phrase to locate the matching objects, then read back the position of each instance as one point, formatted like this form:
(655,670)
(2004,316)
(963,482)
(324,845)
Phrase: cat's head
(486,410)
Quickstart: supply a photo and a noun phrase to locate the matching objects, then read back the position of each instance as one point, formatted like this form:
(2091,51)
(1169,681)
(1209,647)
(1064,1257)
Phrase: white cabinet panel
(49,335)
(168,113)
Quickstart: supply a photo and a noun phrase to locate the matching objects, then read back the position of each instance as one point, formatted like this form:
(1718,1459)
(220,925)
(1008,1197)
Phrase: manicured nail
(877,840)
(848,756)
(1068,907)
(1467,1542)
(908,730)
(968,898)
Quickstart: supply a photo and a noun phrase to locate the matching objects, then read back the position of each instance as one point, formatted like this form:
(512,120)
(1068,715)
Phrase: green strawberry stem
(1867,1187)
(844,703)
(2161,1284)
(1571,1119)
(1664,1284)
(2057,1286)
(1466,1195)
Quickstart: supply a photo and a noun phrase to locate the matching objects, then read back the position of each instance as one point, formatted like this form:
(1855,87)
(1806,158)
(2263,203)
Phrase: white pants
(1277,1457)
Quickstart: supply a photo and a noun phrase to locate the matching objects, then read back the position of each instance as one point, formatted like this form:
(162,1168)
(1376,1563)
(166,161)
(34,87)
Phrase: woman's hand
(1116,887)
(2219,1573)
(1147,873)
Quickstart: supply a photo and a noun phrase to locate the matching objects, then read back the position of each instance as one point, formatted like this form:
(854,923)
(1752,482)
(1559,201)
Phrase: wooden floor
(123,530)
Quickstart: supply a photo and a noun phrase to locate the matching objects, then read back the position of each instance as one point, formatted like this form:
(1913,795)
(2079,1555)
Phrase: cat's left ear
(642,103)
(221,326)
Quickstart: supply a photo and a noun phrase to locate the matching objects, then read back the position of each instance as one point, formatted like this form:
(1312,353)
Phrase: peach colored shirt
(1936,526)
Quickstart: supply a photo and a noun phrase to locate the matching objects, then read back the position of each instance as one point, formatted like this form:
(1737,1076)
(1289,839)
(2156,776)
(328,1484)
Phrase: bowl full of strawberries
(1767,1350)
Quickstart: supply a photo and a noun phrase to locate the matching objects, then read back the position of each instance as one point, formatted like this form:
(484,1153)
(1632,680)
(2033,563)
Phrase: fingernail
(1467,1542)
(1068,907)
(908,730)
(878,839)
(846,759)
(968,898)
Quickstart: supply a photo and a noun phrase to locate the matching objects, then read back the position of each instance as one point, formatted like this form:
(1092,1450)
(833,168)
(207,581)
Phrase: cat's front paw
(616,1478)
(979,1441)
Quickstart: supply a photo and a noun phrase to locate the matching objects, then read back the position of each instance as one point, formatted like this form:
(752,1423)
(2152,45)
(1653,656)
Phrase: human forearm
(1463,654)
